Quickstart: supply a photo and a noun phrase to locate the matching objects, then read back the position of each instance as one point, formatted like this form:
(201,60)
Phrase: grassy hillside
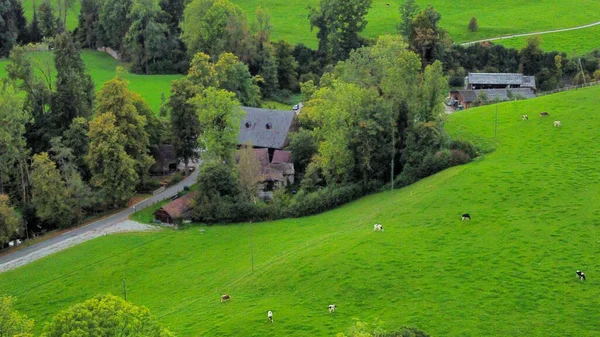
(102,68)
(575,42)
(496,18)
(508,272)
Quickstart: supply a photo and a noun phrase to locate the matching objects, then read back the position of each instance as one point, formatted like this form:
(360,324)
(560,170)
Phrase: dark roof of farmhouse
(265,127)
(496,78)
(497,94)
(180,206)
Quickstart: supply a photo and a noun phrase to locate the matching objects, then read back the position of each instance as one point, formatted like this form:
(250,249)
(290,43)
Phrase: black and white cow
(331,308)
(270,316)
(466,216)
(580,274)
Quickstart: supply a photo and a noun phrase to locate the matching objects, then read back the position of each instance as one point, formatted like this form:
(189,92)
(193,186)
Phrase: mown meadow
(510,271)
(576,42)
(102,67)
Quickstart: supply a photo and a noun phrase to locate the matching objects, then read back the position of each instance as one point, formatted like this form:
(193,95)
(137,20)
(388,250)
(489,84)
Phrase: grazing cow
(544,114)
(270,315)
(580,274)
(466,216)
(225,298)
(525,117)
(378,227)
(331,308)
(557,124)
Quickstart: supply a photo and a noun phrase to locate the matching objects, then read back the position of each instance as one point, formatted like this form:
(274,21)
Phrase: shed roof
(177,208)
(502,94)
(496,78)
(280,156)
(468,96)
(265,127)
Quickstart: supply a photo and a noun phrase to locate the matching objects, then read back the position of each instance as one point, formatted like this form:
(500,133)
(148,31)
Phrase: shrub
(597,75)
(458,157)
(465,146)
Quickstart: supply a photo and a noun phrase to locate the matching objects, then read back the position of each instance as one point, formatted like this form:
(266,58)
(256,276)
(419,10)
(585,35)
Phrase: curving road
(530,34)
(28,254)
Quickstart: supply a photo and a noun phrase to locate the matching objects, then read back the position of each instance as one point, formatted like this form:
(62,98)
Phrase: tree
(105,315)
(145,41)
(9,226)
(202,71)
(214,27)
(427,38)
(35,34)
(220,114)
(235,77)
(21,22)
(287,75)
(185,123)
(13,151)
(49,192)
(531,56)
(47,20)
(12,323)
(75,93)
(115,98)
(249,172)
(408,10)
(303,147)
(113,170)
(87,28)
(473,25)
(113,23)
(9,30)
(340,23)
(77,139)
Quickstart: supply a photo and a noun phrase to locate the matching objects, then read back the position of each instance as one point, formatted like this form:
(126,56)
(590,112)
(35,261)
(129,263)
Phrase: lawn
(573,43)
(508,272)
(102,67)
(496,18)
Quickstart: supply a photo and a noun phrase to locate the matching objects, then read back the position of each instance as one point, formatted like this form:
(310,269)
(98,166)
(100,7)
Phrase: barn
(177,210)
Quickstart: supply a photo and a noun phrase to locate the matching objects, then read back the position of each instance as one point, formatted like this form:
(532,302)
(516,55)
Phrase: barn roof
(468,95)
(496,78)
(265,127)
(177,208)
(497,94)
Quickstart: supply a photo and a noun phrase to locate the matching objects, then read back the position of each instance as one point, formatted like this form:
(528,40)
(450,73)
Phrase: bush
(456,81)
(465,146)
(458,157)
(473,25)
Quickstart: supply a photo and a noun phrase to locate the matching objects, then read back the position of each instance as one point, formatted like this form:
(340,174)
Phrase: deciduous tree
(113,170)
(249,172)
(105,315)
(12,323)
(408,11)
(9,226)
(185,123)
(235,77)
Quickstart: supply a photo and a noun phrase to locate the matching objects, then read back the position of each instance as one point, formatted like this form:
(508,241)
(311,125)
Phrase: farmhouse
(499,81)
(176,210)
(464,99)
(274,173)
(267,128)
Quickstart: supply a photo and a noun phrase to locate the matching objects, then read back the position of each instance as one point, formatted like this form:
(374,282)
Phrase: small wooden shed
(176,210)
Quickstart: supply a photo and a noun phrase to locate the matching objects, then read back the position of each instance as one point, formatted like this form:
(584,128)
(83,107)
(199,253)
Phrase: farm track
(531,34)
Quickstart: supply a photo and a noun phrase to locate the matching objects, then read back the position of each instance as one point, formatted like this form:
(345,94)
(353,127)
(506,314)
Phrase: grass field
(496,18)
(102,68)
(508,272)
(575,42)
(72,14)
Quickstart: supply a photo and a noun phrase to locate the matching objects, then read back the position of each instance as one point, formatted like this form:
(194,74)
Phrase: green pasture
(576,42)
(508,272)
(496,18)
(72,14)
(102,67)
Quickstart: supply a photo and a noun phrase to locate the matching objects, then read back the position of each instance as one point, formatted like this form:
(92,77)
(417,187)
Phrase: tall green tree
(235,77)
(77,139)
(13,323)
(427,38)
(145,41)
(287,75)
(220,114)
(74,96)
(214,27)
(9,226)
(21,22)
(88,20)
(35,34)
(114,22)
(13,151)
(9,30)
(47,20)
(531,56)
(105,315)
(49,192)
(185,123)
(115,98)
(340,23)
(408,10)
(113,170)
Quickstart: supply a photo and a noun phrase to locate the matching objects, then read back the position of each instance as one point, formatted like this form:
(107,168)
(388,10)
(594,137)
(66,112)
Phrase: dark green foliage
(77,139)
(9,26)
(89,17)
(287,75)
(408,10)
(21,23)
(303,147)
(426,37)
(308,61)
(47,20)
(531,57)
(35,34)
(465,146)
(339,23)
(113,23)
(217,180)
(74,96)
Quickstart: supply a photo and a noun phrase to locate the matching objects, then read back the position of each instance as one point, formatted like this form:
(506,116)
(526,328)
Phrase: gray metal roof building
(266,128)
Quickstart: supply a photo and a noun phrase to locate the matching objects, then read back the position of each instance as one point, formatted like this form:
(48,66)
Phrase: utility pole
(251,248)
(582,73)
(124,290)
